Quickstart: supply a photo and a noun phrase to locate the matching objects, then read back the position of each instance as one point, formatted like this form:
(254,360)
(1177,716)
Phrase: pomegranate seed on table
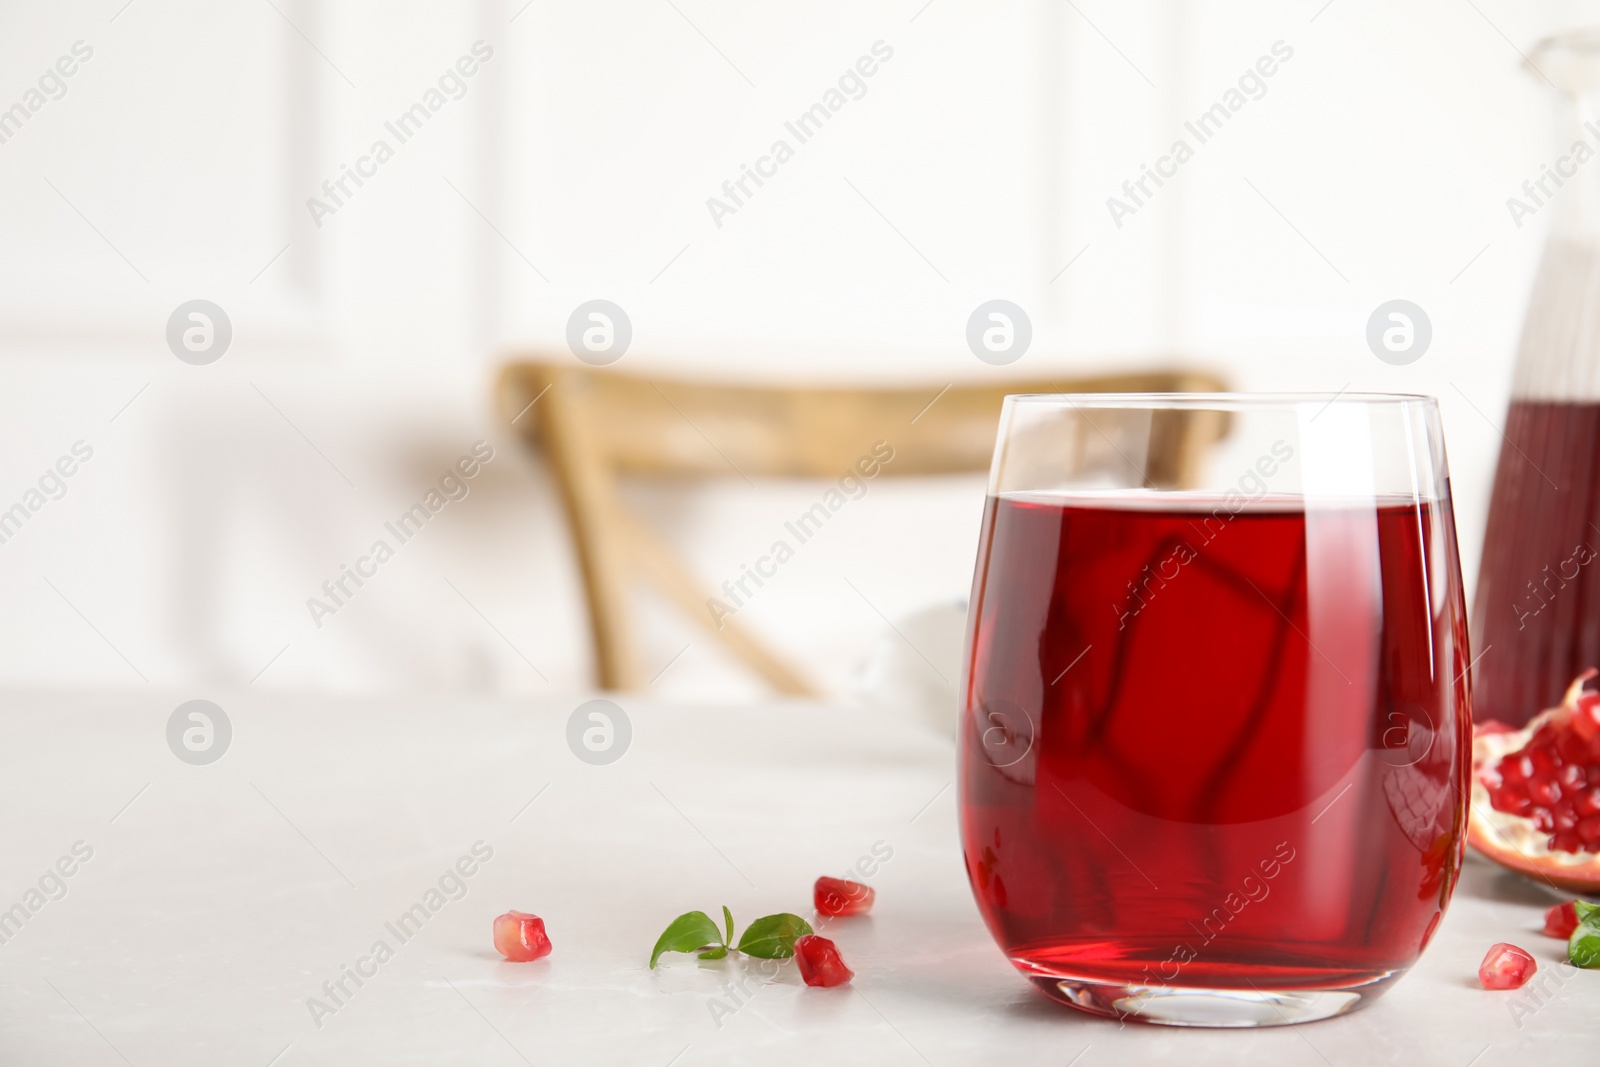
(520,937)
(1561,920)
(1506,967)
(819,961)
(838,896)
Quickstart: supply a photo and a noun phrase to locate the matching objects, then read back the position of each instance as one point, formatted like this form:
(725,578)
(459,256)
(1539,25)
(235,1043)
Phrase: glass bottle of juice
(1536,613)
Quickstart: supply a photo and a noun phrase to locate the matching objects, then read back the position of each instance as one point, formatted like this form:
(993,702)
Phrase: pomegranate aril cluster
(1555,781)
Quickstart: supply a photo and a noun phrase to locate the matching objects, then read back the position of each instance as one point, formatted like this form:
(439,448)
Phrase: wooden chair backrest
(677,428)
(594,425)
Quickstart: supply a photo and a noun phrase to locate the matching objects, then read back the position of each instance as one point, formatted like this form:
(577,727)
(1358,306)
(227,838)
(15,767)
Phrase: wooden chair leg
(611,544)
(591,508)
(663,567)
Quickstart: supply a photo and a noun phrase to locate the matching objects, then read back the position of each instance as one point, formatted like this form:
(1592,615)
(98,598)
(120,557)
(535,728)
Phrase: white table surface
(222,897)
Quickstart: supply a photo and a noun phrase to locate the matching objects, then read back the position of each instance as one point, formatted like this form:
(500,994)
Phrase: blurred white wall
(575,163)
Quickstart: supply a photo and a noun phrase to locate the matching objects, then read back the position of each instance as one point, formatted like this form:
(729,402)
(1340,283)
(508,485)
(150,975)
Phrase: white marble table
(223,896)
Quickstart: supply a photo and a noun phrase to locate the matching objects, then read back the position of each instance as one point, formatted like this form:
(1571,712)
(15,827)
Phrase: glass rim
(1220,400)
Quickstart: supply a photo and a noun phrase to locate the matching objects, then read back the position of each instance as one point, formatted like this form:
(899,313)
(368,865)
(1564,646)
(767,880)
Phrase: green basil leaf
(1584,947)
(690,931)
(728,915)
(1587,913)
(772,937)
(714,953)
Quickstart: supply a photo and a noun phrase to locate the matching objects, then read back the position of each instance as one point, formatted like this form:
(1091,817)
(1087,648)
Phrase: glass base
(1197,1006)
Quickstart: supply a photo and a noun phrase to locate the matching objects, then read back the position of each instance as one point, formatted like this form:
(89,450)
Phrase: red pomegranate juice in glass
(1213,745)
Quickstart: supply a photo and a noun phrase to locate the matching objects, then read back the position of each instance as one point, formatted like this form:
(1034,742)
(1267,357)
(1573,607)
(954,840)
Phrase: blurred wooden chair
(595,425)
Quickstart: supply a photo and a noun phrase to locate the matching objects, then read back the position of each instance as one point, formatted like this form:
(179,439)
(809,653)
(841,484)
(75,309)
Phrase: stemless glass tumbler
(1215,730)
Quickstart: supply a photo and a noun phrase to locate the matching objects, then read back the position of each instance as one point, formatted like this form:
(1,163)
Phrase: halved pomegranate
(1536,793)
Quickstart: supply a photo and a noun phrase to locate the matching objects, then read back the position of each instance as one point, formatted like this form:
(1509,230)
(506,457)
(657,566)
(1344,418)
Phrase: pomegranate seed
(1506,967)
(1512,800)
(1544,791)
(1572,776)
(520,937)
(839,896)
(1516,767)
(1586,802)
(1589,833)
(1567,842)
(1543,820)
(1561,920)
(820,963)
(1565,820)
(1586,723)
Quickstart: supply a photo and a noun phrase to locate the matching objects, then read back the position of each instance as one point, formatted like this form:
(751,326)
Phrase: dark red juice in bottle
(1536,612)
